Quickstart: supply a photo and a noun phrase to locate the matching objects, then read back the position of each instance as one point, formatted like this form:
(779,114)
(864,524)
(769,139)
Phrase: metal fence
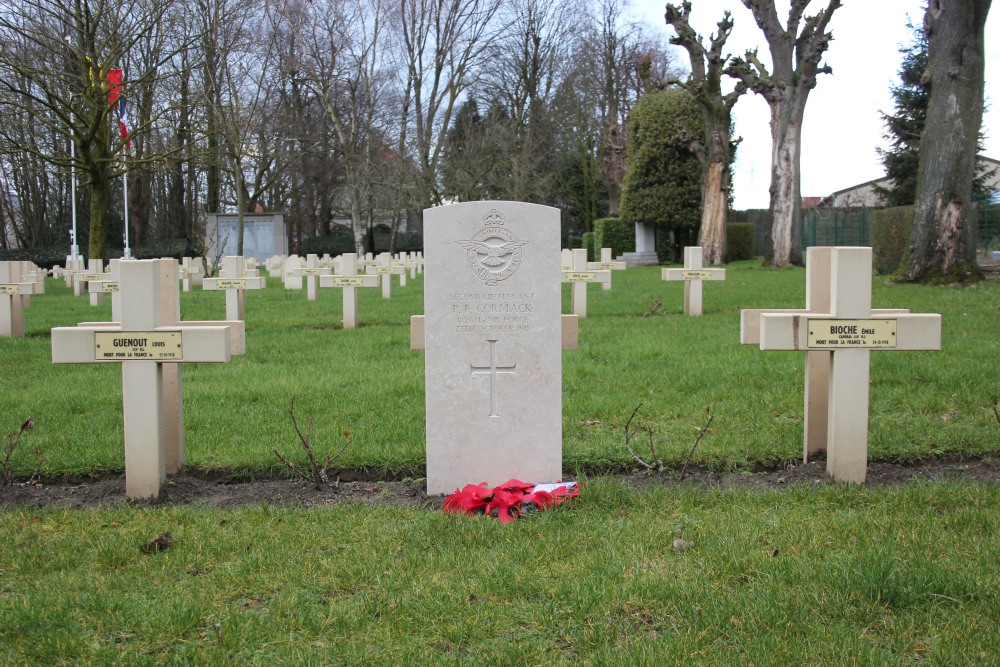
(852,227)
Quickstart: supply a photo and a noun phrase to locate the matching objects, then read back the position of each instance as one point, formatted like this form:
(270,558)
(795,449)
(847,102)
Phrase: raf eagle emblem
(494,253)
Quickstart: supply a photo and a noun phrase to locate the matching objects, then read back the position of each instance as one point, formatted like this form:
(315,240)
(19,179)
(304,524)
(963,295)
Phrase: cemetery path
(218,491)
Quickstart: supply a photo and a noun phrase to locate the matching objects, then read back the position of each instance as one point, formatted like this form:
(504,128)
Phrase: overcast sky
(842,125)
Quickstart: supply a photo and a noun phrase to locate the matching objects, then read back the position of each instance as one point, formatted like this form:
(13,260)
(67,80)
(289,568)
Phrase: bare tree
(54,60)
(796,50)
(443,41)
(941,244)
(715,148)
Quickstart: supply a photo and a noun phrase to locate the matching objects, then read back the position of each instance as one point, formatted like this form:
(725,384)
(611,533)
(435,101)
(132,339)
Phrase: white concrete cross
(73,266)
(192,272)
(402,262)
(606,264)
(385,270)
(815,417)
(311,272)
(692,274)
(849,330)
(234,280)
(580,276)
(30,273)
(148,340)
(173,412)
(109,284)
(12,288)
(349,280)
(95,272)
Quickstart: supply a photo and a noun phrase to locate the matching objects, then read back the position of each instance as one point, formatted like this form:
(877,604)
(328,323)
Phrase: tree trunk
(786,198)
(99,192)
(941,243)
(712,235)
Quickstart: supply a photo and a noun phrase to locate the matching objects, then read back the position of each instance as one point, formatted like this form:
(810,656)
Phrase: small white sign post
(192,272)
(385,270)
(12,288)
(692,274)
(234,280)
(349,280)
(147,339)
(73,266)
(311,272)
(849,331)
(405,264)
(606,264)
(580,276)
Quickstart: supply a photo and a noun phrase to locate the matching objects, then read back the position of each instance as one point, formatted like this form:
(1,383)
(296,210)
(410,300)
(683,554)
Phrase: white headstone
(579,276)
(349,280)
(493,330)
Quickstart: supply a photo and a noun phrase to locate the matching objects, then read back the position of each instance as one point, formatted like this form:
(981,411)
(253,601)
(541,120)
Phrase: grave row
(492,335)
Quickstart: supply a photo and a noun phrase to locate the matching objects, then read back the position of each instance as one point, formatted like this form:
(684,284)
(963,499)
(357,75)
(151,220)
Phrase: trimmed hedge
(739,241)
(890,233)
(51,256)
(588,243)
(616,234)
(343,241)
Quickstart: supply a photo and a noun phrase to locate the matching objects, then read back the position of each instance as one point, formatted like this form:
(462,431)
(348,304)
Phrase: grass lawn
(368,382)
(830,575)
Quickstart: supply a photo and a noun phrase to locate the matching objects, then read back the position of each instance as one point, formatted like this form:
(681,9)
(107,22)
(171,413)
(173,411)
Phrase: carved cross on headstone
(692,274)
(849,331)
(149,338)
(492,371)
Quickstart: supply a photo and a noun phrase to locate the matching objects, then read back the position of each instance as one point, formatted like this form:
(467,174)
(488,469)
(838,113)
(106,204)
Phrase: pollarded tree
(662,185)
(941,245)
(795,62)
(715,150)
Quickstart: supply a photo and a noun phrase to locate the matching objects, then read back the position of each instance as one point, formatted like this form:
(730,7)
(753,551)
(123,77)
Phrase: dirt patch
(216,491)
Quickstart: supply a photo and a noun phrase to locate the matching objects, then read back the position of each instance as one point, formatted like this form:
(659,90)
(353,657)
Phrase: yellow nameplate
(696,275)
(310,272)
(382,270)
(87,277)
(133,345)
(348,281)
(109,286)
(579,276)
(607,266)
(830,334)
(10,290)
(231,283)
(189,270)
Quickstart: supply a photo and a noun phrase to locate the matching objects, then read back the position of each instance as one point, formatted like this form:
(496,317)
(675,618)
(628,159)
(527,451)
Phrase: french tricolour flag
(116,99)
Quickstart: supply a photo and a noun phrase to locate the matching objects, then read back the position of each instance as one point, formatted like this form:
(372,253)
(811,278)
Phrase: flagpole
(74,247)
(128,252)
